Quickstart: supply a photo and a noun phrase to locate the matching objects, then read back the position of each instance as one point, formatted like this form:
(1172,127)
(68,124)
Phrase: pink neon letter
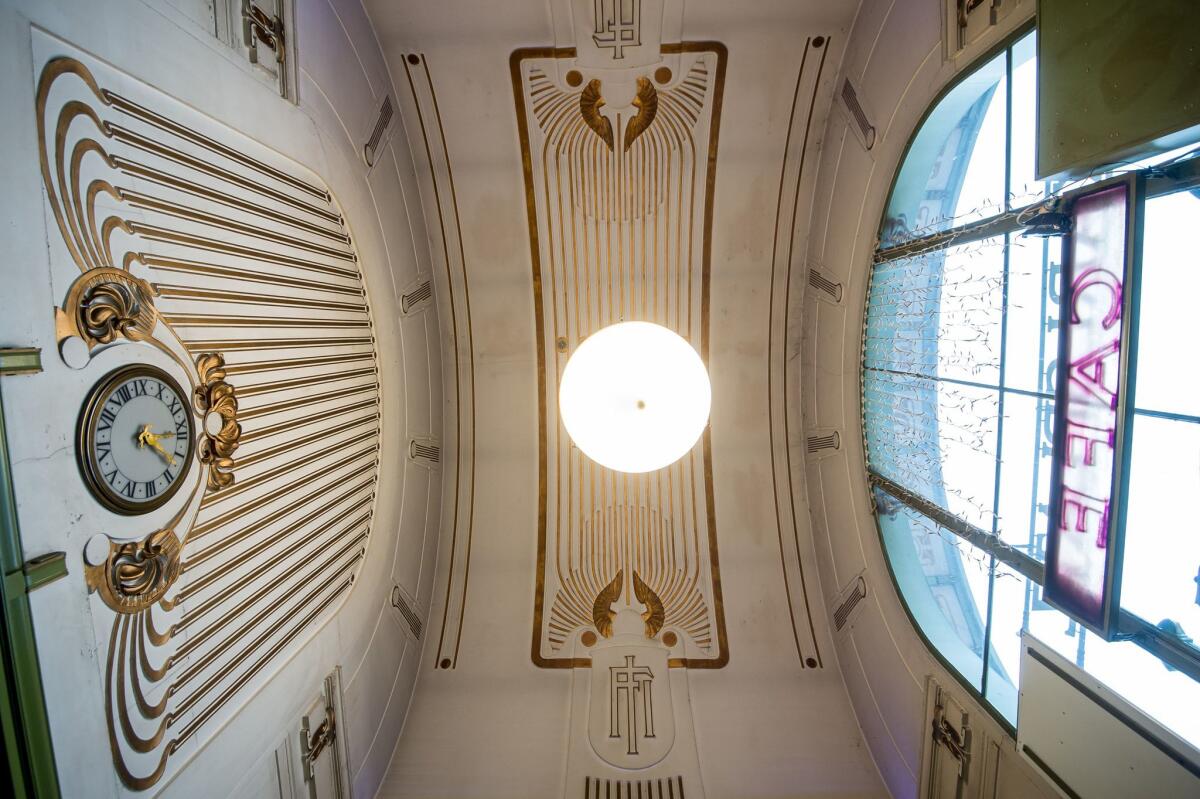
(1091,436)
(1097,277)
(1083,503)
(1088,372)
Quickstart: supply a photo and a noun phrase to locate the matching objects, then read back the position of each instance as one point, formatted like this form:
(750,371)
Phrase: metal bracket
(956,743)
(259,27)
(314,742)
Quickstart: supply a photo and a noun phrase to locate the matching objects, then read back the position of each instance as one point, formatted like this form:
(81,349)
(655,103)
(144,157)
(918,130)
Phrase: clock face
(135,439)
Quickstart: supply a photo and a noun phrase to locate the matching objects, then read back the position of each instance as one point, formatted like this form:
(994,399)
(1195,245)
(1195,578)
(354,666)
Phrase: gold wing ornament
(590,103)
(602,612)
(655,614)
(646,103)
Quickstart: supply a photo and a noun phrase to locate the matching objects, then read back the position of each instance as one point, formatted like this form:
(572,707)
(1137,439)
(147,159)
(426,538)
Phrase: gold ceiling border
(515,60)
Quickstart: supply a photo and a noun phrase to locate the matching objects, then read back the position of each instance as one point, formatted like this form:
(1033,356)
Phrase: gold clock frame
(85,438)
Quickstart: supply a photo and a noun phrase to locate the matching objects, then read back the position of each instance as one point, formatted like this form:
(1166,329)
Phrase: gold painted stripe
(244,345)
(180,184)
(295,363)
(155,233)
(291,446)
(192,615)
(172,292)
(127,136)
(184,132)
(290,425)
(230,320)
(265,545)
(300,382)
(148,203)
(312,399)
(223,646)
(220,674)
(189,267)
(289,468)
(233,514)
(204,715)
(250,529)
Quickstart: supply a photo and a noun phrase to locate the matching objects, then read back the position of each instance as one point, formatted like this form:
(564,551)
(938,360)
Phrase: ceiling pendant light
(634,397)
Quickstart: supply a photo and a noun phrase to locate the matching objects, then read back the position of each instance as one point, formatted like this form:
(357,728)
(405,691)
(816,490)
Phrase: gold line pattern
(778,360)
(229,260)
(445,200)
(619,234)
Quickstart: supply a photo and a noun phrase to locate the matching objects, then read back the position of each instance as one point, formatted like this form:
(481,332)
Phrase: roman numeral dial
(136,439)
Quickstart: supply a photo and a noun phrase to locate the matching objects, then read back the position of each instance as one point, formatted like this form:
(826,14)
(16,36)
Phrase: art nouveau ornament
(631,722)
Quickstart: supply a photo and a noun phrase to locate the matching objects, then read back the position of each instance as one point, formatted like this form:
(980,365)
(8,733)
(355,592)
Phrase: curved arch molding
(236,264)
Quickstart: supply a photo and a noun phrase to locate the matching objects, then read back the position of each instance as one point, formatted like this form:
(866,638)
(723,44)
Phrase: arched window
(958,390)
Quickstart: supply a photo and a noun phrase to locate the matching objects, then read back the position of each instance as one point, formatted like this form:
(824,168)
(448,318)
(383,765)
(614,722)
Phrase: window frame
(1157,181)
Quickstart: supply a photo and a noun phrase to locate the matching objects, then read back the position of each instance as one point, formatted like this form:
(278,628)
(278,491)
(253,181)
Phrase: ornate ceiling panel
(203,252)
(619,175)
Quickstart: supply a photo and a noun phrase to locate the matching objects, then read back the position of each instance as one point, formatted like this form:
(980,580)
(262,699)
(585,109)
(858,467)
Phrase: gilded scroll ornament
(216,401)
(646,103)
(602,612)
(136,574)
(655,614)
(590,103)
(603,615)
(105,304)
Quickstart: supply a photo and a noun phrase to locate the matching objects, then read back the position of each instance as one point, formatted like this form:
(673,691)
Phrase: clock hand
(168,457)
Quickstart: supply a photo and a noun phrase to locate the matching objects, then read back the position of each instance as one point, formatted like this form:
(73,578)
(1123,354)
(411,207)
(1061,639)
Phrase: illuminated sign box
(1094,404)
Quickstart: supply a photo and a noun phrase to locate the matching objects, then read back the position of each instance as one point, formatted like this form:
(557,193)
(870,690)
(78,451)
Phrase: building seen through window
(958,389)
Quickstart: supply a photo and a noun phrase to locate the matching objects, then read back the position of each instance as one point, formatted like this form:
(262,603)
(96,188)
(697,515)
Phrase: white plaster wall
(342,79)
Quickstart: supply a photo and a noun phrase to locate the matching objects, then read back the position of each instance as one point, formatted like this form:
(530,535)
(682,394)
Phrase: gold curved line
(50,72)
(94,188)
(128,778)
(66,116)
(82,148)
(112,223)
(148,671)
(157,638)
(135,742)
(144,707)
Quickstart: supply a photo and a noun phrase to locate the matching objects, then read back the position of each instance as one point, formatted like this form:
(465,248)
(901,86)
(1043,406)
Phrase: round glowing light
(634,397)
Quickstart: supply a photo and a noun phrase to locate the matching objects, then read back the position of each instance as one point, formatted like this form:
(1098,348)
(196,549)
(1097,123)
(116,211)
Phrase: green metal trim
(44,569)
(30,752)
(20,361)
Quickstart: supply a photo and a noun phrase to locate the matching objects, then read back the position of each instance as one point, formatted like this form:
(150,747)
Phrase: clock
(136,439)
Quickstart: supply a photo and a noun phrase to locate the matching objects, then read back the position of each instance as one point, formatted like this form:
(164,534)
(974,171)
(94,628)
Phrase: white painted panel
(1094,741)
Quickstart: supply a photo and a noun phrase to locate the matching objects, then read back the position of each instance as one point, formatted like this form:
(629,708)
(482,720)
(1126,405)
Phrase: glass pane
(1171,697)
(1023,187)
(1025,473)
(954,170)
(936,439)
(1170,284)
(939,313)
(1161,579)
(943,581)
(1031,346)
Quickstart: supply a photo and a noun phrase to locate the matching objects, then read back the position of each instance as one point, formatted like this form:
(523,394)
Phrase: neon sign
(1093,405)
